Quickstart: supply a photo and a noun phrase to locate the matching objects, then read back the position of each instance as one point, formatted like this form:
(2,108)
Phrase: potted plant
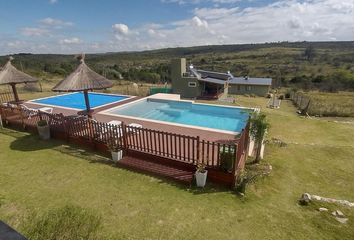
(201,175)
(43,129)
(116,151)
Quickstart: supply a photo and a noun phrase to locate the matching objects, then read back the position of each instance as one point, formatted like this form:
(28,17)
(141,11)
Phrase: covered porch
(213,88)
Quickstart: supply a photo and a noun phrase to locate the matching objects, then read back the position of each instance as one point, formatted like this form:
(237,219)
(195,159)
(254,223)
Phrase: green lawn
(37,176)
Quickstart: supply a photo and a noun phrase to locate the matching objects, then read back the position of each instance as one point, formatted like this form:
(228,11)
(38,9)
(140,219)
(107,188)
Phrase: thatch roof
(83,78)
(10,75)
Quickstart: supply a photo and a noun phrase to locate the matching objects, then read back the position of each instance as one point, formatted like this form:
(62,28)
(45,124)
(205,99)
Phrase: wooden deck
(160,169)
(159,149)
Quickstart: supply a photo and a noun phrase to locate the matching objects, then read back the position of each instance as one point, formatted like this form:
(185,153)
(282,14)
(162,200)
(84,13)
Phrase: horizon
(167,48)
(66,27)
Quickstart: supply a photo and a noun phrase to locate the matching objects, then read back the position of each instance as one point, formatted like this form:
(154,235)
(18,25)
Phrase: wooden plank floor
(164,170)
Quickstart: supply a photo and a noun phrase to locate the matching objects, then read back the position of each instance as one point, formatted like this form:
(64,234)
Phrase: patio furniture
(134,126)
(115,122)
(34,111)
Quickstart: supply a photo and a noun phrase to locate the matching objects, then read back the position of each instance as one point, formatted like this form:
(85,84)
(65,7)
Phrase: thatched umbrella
(11,76)
(83,79)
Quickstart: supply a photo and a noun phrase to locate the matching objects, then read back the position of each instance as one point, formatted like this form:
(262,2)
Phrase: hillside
(324,65)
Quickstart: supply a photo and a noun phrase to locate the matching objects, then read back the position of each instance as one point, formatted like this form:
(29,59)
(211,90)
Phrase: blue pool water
(201,115)
(77,100)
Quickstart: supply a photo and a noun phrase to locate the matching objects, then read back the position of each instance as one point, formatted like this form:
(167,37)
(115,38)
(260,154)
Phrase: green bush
(68,222)
(227,159)
(42,123)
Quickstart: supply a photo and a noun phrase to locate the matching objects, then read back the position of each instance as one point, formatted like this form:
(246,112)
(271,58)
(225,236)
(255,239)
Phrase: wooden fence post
(65,127)
(198,150)
(234,167)
(21,116)
(124,133)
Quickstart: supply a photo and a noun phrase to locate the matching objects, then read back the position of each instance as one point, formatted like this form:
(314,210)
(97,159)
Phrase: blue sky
(71,26)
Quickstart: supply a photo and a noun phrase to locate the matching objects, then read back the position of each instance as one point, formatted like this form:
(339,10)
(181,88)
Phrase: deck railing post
(198,150)
(21,116)
(235,165)
(66,128)
(124,133)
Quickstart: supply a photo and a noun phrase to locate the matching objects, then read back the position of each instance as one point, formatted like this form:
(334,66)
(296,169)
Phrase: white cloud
(34,31)
(284,20)
(199,22)
(52,22)
(53,1)
(182,2)
(14,44)
(73,40)
(215,13)
(311,20)
(120,28)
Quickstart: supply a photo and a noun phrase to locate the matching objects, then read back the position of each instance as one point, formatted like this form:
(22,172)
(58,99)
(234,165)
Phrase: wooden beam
(14,90)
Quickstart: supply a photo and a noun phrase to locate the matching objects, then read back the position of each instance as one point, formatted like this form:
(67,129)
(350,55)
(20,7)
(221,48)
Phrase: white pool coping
(107,112)
(78,109)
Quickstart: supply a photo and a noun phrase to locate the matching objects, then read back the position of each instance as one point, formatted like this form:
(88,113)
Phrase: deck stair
(158,168)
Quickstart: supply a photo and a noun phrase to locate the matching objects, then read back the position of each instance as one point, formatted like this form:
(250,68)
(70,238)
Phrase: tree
(259,128)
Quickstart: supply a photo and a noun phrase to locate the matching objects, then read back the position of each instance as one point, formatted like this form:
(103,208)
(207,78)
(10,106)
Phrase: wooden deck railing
(6,97)
(228,158)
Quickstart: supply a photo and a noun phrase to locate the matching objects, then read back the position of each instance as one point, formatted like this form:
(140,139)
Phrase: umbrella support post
(87,102)
(14,90)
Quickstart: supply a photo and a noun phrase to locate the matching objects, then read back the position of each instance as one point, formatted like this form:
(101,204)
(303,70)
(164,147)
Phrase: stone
(342,220)
(322,209)
(315,197)
(305,199)
(338,214)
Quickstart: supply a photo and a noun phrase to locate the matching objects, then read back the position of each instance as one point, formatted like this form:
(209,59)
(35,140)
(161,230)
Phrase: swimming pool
(186,112)
(77,101)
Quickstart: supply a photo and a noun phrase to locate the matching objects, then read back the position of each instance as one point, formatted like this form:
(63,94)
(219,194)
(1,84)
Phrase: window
(248,88)
(238,87)
(192,84)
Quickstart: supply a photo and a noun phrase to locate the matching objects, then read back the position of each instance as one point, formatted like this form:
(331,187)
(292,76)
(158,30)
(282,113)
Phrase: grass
(39,176)
(323,104)
(332,104)
(65,223)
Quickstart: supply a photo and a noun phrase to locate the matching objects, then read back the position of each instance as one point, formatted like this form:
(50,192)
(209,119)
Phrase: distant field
(329,104)
(339,104)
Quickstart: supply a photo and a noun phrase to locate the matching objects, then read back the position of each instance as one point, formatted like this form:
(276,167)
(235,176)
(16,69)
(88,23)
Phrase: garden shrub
(227,159)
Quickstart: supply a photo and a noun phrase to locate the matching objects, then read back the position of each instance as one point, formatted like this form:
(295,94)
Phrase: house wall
(180,84)
(259,90)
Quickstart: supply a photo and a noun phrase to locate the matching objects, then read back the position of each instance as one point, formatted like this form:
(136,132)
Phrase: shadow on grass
(31,142)
(86,154)
(27,142)
(191,188)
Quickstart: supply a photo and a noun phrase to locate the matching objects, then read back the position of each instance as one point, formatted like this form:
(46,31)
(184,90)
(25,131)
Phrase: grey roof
(212,80)
(251,81)
(217,75)
(83,78)
(11,75)
(221,78)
